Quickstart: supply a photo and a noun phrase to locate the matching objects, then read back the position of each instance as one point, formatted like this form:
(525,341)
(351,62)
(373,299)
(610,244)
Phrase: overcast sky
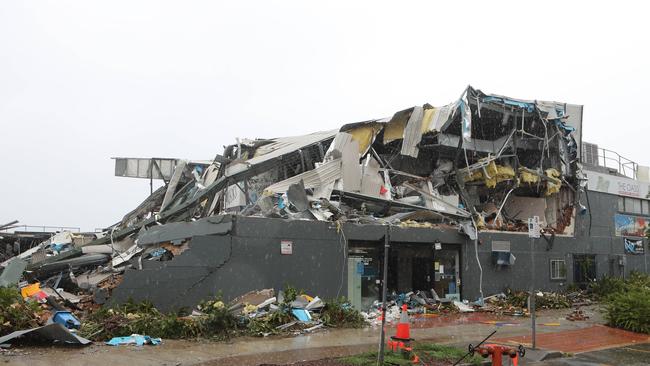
(83,81)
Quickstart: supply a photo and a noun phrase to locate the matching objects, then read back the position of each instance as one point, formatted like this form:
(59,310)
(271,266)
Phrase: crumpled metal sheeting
(284,145)
(364,134)
(321,175)
(413,133)
(54,332)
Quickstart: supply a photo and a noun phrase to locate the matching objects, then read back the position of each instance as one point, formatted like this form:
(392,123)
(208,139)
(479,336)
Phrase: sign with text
(286,247)
(533,227)
(613,184)
(634,246)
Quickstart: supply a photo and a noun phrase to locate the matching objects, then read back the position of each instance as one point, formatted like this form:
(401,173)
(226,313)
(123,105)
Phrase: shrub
(606,286)
(629,310)
(627,302)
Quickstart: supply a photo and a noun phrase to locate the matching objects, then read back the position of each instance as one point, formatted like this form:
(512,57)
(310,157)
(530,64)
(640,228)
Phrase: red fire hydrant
(497,351)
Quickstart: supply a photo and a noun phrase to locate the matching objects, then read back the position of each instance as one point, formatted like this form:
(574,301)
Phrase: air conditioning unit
(589,154)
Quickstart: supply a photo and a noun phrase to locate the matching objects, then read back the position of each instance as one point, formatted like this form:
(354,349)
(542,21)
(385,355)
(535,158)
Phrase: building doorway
(584,269)
(446,266)
(411,267)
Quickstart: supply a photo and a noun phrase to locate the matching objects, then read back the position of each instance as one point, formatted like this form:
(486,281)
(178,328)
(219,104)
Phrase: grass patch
(428,352)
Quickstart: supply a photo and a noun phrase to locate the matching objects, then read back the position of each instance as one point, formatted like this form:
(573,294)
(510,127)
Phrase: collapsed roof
(483,159)
(436,164)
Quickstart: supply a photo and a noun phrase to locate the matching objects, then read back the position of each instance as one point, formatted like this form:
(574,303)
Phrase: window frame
(560,277)
(627,205)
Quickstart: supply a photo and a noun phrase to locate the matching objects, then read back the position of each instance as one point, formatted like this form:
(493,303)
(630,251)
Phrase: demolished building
(451,187)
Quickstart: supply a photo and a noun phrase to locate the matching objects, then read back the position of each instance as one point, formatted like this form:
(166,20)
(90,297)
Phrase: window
(633,205)
(558,269)
(621,204)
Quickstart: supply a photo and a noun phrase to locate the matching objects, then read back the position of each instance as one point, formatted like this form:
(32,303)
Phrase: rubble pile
(516,302)
(257,313)
(419,302)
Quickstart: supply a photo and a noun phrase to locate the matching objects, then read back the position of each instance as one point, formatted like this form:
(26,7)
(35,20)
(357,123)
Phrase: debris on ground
(53,333)
(577,314)
(257,313)
(418,303)
(515,303)
(137,339)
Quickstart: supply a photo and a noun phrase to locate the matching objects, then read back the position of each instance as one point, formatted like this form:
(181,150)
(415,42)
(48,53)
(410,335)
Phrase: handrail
(613,160)
(42,228)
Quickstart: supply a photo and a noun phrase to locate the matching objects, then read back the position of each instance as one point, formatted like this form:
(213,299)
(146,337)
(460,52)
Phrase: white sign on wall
(612,184)
(533,227)
(286,247)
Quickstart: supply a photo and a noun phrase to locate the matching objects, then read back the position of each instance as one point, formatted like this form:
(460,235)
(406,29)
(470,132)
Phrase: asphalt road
(635,355)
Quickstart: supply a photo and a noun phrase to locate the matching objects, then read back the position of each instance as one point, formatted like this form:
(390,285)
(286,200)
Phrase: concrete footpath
(554,332)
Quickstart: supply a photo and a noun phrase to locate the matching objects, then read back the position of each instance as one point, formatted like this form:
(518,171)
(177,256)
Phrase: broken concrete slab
(212,225)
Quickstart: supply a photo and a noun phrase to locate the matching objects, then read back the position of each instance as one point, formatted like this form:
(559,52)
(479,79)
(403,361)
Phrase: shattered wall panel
(231,265)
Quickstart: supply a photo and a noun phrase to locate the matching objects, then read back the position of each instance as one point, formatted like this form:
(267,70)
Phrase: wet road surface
(634,355)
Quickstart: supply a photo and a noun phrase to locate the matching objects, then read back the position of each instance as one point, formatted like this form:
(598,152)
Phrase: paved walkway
(593,338)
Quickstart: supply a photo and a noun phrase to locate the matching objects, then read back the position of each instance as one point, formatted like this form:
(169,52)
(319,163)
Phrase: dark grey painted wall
(248,258)
(600,240)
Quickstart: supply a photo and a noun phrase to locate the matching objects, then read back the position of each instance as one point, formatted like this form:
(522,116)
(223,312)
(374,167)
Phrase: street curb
(537,355)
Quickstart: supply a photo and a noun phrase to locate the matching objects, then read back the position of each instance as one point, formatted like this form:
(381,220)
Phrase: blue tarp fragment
(301,314)
(529,107)
(137,339)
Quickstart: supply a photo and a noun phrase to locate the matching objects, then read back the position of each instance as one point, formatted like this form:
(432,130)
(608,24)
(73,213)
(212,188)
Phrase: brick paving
(592,338)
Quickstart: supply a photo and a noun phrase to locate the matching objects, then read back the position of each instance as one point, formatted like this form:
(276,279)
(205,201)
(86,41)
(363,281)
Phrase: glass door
(446,273)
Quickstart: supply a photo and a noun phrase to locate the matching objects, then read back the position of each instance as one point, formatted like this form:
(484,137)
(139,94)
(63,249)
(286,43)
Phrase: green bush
(627,302)
(606,286)
(629,310)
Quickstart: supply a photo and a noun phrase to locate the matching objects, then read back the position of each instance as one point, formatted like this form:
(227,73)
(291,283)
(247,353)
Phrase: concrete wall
(600,240)
(247,257)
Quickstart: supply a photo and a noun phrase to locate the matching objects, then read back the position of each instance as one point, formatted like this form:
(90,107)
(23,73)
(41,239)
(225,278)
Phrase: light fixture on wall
(583,209)
(437,245)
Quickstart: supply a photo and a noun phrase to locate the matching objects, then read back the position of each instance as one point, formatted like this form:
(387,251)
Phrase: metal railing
(44,229)
(612,160)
